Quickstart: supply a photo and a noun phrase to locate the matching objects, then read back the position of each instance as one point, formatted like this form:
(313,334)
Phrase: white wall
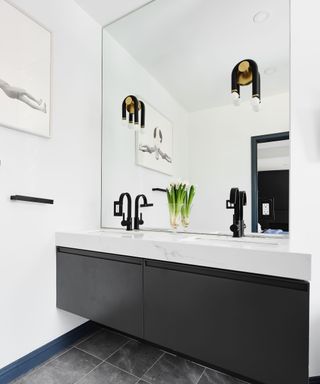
(65,168)
(220,148)
(305,152)
(124,76)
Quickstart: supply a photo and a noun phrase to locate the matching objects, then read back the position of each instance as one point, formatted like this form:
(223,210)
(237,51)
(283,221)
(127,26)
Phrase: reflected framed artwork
(154,143)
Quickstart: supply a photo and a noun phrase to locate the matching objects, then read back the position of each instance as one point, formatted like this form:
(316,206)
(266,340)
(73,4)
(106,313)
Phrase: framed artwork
(25,72)
(154,143)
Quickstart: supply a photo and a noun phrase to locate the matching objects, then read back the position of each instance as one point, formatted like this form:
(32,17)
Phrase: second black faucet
(127,221)
(237,200)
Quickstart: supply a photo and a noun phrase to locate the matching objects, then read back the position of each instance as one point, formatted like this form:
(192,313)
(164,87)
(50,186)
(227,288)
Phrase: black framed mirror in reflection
(187,85)
(270,169)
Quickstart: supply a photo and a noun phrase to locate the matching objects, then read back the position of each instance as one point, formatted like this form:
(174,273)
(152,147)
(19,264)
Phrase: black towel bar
(159,189)
(31,199)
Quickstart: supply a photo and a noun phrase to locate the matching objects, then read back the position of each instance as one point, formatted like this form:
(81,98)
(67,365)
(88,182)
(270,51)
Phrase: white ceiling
(284,144)
(106,11)
(191,46)
(274,155)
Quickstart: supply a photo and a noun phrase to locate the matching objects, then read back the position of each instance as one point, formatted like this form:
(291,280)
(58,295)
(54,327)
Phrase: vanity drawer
(251,325)
(101,287)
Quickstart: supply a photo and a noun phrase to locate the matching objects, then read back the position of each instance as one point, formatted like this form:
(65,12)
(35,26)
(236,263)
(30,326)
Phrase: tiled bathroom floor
(110,358)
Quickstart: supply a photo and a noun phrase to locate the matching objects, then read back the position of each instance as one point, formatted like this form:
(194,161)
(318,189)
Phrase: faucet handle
(145,205)
(243,197)
(234,195)
(234,228)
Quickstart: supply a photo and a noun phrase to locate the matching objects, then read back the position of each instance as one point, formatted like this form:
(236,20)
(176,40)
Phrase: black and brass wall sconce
(134,108)
(246,72)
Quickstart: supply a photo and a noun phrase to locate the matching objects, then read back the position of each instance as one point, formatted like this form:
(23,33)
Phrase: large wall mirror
(171,111)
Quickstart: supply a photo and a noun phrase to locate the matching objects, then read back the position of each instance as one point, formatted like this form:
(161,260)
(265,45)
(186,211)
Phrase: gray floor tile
(94,332)
(19,379)
(135,357)
(129,360)
(66,369)
(172,369)
(75,361)
(213,377)
(103,344)
(108,374)
(48,375)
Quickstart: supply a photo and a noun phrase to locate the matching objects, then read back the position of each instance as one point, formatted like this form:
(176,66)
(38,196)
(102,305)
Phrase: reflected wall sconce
(136,111)
(246,72)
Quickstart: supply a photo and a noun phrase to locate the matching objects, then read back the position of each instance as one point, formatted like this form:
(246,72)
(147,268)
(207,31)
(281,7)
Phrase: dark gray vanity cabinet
(101,287)
(253,326)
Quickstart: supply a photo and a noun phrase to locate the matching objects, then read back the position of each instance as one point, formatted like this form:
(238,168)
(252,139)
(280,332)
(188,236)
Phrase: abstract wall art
(25,72)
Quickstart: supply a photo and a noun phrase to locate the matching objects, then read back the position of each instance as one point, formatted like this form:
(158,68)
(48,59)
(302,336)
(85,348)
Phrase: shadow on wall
(310,126)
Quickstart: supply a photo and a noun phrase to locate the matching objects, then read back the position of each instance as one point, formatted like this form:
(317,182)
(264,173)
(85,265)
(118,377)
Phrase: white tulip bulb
(256,104)
(235,98)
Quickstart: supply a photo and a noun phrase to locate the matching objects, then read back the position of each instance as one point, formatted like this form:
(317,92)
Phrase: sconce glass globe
(235,98)
(256,104)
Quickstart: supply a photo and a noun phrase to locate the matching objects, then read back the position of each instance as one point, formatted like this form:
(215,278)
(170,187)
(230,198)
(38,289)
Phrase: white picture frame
(154,142)
(25,72)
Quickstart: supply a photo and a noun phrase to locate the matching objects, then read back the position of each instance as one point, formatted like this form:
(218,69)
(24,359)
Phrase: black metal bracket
(229,205)
(117,208)
(31,199)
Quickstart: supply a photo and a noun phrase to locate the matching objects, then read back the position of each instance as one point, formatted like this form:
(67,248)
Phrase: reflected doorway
(270,167)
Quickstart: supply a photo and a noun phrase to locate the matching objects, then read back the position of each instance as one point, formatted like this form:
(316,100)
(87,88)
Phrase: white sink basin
(139,235)
(119,234)
(229,239)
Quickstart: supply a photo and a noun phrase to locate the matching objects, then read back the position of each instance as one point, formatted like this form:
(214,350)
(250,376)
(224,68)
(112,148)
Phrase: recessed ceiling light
(270,71)
(261,17)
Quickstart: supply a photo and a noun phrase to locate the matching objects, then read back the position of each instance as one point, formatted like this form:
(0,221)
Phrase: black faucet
(138,218)
(118,210)
(238,199)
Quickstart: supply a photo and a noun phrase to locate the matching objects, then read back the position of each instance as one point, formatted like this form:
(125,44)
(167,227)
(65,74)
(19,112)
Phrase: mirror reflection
(271,183)
(197,91)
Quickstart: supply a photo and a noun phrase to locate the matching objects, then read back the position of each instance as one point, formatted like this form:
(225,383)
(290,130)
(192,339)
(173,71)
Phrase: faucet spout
(138,220)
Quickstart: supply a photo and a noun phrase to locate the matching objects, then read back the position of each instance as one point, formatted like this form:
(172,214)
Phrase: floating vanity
(238,305)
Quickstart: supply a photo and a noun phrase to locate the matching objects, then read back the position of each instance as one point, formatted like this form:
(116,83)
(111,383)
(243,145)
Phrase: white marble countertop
(270,255)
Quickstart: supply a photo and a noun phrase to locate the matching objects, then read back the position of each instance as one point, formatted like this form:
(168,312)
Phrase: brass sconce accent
(133,106)
(246,72)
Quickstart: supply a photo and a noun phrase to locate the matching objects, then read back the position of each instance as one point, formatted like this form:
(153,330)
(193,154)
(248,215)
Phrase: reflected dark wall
(275,185)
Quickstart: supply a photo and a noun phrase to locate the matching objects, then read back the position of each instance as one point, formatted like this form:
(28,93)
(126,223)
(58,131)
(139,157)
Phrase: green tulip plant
(180,197)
